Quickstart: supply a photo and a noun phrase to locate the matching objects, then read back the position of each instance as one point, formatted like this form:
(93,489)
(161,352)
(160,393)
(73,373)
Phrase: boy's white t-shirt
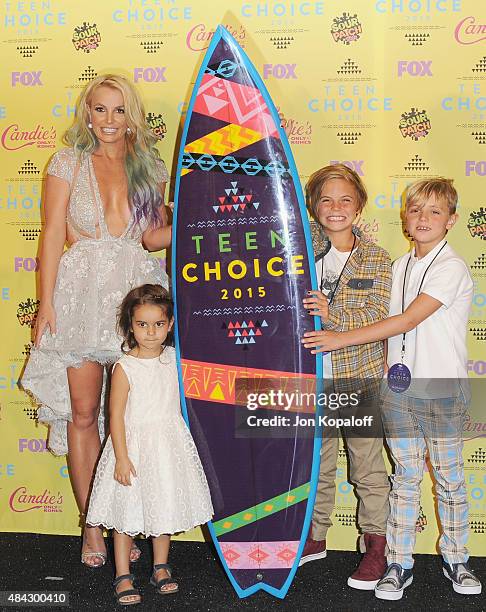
(328,269)
(436,348)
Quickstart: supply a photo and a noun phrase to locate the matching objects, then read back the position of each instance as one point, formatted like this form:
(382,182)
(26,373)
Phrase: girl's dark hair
(146,294)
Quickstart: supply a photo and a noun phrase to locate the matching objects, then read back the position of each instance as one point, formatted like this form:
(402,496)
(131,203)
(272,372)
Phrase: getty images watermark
(279,407)
(281,400)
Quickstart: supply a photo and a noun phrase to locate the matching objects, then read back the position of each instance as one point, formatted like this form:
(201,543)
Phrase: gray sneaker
(395,580)
(463,579)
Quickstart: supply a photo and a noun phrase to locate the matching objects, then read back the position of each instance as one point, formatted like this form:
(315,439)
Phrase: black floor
(27,560)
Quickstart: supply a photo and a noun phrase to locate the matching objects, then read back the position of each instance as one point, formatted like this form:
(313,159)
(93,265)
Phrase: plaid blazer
(363,297)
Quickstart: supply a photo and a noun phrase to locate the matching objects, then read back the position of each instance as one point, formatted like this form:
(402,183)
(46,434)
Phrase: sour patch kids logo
(415,124)
(86,37)
(346,28)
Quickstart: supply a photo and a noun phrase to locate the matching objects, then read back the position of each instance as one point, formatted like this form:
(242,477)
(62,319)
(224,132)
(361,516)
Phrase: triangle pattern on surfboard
(214,104)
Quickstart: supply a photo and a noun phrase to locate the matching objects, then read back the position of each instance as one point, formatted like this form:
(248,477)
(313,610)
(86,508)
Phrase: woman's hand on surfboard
(316,304)
(321,341)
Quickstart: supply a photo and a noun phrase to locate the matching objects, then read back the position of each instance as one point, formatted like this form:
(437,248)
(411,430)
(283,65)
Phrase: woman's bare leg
(84,443)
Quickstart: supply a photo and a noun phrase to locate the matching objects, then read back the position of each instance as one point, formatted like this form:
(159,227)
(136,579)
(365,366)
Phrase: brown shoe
(373,563)
(313,550)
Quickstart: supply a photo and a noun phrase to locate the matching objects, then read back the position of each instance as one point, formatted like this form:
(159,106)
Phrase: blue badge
(399,378)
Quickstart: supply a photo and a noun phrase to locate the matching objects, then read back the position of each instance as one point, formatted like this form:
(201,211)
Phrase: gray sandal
(159,584)
(128,592)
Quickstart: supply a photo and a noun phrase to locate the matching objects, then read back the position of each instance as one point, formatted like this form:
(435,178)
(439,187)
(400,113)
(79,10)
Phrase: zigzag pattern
(234,221)
(226,140)
(211,312)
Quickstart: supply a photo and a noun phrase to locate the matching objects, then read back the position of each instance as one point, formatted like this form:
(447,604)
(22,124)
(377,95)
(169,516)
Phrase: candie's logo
(15,137)
(157,125)
(86,37)
(476,224)
(346,28)
(22,500)
(369,228)
(199,37)
(27,312)
(298,132)
(473,429)
(415,124)
(468,32)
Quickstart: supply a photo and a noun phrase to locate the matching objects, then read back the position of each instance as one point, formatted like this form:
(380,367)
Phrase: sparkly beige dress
(94,276)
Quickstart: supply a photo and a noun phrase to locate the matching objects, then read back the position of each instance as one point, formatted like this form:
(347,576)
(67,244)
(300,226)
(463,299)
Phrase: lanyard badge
(399,376)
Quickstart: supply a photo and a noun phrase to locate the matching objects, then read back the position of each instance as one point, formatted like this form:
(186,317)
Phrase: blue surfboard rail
(221,34)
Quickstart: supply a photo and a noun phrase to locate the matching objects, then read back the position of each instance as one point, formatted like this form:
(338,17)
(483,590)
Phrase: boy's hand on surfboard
(123,469)
(316,304)
(321,341)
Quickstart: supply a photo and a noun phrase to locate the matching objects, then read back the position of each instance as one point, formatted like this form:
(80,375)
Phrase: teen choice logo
(476,224)
(27,312)
(86,37)
(346,28)
(157,125)
(415,124)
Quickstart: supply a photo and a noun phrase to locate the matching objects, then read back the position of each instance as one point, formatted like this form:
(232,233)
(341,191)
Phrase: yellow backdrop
(394,88)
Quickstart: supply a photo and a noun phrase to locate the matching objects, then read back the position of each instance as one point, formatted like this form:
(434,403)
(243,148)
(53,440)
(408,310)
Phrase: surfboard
(243,261)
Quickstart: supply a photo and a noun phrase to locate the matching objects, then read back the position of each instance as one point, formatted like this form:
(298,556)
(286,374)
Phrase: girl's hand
(317,305)
(45,317)
(323,341)
(123,469)
(171,206)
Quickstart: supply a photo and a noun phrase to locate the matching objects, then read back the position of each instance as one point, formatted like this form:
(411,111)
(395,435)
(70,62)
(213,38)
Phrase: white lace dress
(170,493)
(94,276)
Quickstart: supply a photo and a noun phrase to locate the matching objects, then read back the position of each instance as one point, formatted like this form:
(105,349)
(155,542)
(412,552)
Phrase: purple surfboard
(243,263)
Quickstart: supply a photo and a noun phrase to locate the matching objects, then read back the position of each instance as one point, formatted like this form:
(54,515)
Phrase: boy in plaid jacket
(354,277)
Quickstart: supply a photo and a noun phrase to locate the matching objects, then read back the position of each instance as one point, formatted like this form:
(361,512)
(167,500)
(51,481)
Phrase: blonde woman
(104,198)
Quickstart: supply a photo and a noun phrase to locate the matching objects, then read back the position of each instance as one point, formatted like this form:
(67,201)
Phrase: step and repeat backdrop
(396,89)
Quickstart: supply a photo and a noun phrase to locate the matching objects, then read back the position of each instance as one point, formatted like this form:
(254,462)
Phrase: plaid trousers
(413,426)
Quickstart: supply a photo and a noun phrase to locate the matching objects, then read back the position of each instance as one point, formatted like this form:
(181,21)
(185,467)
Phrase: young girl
(149,478)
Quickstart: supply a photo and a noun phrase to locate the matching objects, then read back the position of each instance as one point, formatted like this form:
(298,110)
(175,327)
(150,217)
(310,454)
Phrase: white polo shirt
(436,348)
